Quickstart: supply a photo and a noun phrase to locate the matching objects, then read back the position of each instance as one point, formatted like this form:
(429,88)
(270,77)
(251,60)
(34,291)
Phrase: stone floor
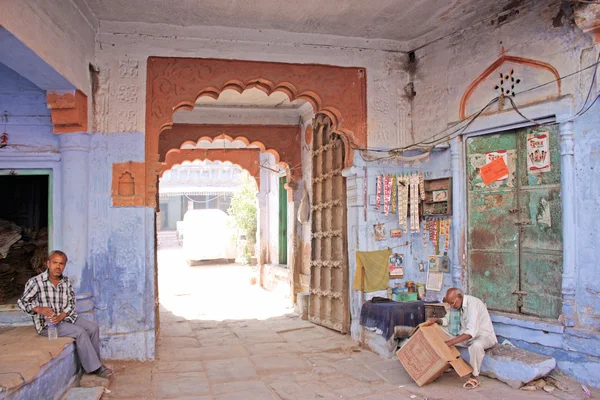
(222,338)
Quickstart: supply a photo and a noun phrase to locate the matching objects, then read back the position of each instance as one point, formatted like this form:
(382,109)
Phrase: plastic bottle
(52,331)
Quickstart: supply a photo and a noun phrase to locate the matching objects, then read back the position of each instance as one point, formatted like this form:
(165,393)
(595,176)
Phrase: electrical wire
(205,201)
(429,143)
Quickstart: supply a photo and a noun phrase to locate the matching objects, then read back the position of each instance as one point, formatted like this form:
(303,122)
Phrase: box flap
(437,339)
(461,367)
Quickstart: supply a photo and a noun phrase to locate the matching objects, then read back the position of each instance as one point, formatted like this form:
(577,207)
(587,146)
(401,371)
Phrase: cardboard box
(426,355)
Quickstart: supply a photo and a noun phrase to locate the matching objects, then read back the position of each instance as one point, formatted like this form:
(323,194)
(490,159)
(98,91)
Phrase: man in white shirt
(476,329)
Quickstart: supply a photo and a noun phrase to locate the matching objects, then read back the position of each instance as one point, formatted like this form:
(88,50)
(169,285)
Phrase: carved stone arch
(247,159)
(176,83)
(281,141)
(544,73)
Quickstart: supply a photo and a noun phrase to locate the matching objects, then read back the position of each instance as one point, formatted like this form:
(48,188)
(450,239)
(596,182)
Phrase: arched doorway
(337,93)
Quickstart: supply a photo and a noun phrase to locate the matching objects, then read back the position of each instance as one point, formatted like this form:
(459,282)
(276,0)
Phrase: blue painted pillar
(458,198)
(569,281)
(75,152)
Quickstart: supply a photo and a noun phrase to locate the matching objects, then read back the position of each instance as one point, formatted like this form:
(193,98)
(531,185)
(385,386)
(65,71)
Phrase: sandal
(104,372)
(472,383)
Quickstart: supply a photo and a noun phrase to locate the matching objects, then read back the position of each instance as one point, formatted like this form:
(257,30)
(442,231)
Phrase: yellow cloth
(377,273)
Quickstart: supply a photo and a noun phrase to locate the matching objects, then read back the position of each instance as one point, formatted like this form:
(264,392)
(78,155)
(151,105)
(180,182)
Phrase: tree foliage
(243,211)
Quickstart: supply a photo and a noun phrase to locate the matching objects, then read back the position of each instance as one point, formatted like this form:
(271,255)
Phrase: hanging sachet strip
(378,205)
(422,186)
(387,193)
(394,194)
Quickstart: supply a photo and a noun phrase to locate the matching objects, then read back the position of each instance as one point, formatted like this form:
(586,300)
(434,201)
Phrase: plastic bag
(304,209)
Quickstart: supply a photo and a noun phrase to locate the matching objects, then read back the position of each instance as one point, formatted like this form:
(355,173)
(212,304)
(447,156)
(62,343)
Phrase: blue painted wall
(29,125)
(121,263)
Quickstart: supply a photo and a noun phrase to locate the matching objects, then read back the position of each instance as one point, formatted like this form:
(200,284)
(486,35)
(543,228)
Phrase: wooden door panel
(329,299)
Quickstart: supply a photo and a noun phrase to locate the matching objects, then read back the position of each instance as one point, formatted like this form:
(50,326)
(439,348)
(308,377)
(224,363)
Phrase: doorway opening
(25,227)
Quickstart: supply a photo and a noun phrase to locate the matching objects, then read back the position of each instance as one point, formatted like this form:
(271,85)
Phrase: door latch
(520,295)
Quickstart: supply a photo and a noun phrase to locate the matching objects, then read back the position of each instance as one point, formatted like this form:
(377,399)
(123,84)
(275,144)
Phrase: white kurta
(476,322)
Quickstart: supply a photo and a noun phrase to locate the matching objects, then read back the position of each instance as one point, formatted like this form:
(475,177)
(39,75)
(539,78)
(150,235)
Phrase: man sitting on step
(49,297)
(474,329)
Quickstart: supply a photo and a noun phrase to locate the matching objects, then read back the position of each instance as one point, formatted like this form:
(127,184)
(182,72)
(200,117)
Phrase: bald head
(454,297)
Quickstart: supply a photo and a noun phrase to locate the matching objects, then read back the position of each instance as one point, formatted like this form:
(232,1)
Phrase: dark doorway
(24,221)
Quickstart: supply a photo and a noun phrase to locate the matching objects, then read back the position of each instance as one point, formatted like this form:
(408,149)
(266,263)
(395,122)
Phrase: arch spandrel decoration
(176,83)
(510,76)
(247,159)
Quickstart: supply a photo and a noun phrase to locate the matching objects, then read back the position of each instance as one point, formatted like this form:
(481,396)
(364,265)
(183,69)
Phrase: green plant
(243,211)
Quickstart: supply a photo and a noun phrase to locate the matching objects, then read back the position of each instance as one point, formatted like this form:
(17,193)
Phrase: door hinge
(520,295)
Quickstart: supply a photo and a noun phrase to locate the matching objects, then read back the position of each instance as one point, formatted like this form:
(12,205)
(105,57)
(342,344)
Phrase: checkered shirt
(40,292)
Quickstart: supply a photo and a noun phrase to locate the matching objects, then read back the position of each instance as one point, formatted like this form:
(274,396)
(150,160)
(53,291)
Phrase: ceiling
(399,20)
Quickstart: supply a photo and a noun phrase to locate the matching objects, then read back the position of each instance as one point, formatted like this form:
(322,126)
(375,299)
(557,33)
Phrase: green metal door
(493,252)
(515,225)
(282,221)
(540,207)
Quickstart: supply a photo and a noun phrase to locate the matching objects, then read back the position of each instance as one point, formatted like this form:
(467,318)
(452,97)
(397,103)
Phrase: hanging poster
(395,233)
(433,264)
(379,231)
(435,280)
(538,153)
(493,171)
(397,265)
(493,156)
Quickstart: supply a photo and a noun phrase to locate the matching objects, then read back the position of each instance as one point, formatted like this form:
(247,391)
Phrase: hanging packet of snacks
(378,205)
(402,202)
(447,233)
(443,227)
(387,193)
(394,194)
(414,203)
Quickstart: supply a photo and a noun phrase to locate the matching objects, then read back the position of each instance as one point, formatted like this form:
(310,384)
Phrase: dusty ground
(222,338)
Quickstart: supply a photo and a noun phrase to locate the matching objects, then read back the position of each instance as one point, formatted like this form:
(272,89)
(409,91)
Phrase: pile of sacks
(23,254)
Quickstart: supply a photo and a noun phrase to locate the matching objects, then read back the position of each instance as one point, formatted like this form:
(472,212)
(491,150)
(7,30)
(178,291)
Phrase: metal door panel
(493,277)
(541,230)
(541,279)
(492,243)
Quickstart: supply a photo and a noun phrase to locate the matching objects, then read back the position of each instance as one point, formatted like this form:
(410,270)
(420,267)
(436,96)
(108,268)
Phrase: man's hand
(431,321)
(45,311)
(56,319)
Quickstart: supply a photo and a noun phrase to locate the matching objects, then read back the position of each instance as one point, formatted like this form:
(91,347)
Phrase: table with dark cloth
(386,315)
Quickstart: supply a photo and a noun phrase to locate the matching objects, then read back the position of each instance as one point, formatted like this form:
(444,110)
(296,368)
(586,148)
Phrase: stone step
(78,393)
(513,366)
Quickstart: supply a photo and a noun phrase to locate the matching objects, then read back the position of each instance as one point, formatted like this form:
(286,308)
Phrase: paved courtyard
(223,338)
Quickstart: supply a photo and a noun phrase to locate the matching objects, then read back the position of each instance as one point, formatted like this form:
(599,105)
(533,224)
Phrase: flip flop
(105,372)
(471,384)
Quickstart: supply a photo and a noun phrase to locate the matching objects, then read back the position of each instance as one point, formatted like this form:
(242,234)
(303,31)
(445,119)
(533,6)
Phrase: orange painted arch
(176,83)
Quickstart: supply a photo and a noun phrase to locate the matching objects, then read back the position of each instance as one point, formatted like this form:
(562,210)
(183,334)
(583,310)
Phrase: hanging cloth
(376,267)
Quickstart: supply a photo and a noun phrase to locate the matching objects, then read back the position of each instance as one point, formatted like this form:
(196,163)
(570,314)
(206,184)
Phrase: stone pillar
(567,178)
(75,152)
(293,238)
(356,240)
(458,197)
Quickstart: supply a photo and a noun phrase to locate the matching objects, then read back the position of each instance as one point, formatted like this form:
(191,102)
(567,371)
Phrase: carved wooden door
(329,300)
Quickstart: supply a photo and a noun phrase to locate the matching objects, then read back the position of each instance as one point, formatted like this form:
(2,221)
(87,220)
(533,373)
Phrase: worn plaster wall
(31,145)
(121,255)
(361,232)
(444,71)
(61,33)
(121,54)
(24,104)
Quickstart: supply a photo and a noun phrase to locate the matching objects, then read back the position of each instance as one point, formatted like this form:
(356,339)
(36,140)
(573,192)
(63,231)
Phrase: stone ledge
(528,322)
(513,366)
